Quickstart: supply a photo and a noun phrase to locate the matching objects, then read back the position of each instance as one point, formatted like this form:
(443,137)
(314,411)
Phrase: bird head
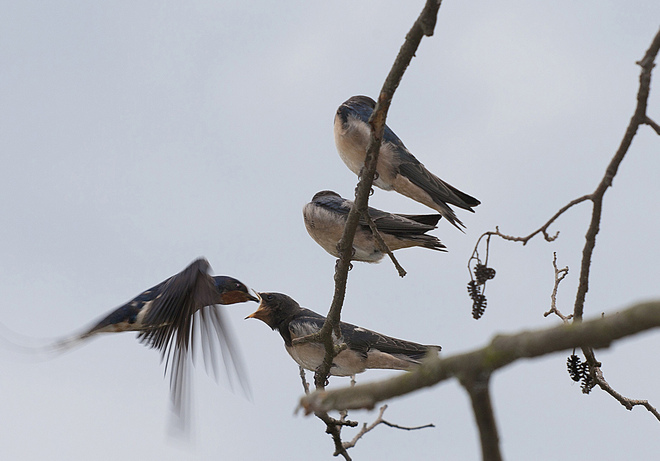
(274,309)
(233,291)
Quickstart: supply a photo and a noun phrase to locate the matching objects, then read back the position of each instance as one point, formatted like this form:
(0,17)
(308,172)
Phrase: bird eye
(269,297)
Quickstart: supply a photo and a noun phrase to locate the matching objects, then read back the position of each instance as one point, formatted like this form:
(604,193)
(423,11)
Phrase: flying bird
(326,215)
(366,349)
(166,317)
(397,169)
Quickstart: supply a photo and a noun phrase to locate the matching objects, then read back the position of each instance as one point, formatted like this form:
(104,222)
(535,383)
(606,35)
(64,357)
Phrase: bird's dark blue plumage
(366,349)
(397,168)
(167,316)
(326,216)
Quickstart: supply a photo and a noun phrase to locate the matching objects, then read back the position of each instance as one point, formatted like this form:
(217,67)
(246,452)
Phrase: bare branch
(559,276)
(501,351)
(599,379)
(382,245)
(424,25)
(652,124)
(379,420)
(303,378)
(333,427)
(543,229)
(639,117)
(477,387)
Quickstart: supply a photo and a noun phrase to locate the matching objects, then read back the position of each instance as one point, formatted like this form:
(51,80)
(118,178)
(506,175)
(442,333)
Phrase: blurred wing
(215,338)
(187,304)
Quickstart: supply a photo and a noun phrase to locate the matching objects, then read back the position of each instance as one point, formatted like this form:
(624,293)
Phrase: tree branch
(424,25)
(377,421)
(559,276)
(477,387)
(639,117)
(502,350)
(382,245)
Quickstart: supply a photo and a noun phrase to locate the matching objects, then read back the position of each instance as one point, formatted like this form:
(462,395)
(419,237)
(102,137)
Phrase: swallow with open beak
(165,317)
(326,215)
(366,349)
(397,169)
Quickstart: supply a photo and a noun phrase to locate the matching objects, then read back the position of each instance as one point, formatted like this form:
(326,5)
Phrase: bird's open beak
(261,313)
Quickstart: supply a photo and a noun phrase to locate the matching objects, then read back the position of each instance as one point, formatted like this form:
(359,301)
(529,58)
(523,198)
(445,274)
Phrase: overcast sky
(137,136)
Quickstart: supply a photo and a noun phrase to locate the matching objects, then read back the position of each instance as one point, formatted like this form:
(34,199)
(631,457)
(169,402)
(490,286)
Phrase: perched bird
(366,349)
(165,316)
(397,169)
(327,213)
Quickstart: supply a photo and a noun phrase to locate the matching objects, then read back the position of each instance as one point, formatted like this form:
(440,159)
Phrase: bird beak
(261,313)
(252,297)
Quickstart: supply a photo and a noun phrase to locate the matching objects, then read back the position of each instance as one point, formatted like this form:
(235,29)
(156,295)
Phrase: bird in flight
(169,316)
(397,169)
(326,215)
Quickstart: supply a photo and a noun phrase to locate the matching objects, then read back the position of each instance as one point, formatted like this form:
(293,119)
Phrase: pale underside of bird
(366,349)
(325,219)
(397,169)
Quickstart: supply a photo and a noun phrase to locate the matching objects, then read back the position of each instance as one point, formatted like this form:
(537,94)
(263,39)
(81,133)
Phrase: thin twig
(559,276)
(379,420)
(652,124)
(382,245)
(333,427)
(543,229)
(303,378)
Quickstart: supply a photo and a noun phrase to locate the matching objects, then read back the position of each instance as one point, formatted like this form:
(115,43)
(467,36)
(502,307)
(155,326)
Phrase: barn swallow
(366,349)
(397,168)
(165,315)
(327,213)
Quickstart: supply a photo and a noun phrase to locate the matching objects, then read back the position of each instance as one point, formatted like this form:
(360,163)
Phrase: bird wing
(439,190)
(186,304)
(334,203)
(384,221)
(397,224)
(363,340)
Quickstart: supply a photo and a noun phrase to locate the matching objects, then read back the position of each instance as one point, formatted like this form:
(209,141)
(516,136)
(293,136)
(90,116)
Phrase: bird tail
(426,241)
(428,219)
(29,345)
(418,355)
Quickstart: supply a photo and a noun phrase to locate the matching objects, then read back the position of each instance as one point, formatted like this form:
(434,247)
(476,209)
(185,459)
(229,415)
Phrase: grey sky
(137,136)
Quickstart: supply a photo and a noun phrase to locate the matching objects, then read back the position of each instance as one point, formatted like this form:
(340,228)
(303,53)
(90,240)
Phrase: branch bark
(424,25)
(502,351)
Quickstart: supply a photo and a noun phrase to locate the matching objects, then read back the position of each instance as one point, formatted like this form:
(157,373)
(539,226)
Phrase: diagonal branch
(382,245)
(424,25)
(639,117)
(502,351)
